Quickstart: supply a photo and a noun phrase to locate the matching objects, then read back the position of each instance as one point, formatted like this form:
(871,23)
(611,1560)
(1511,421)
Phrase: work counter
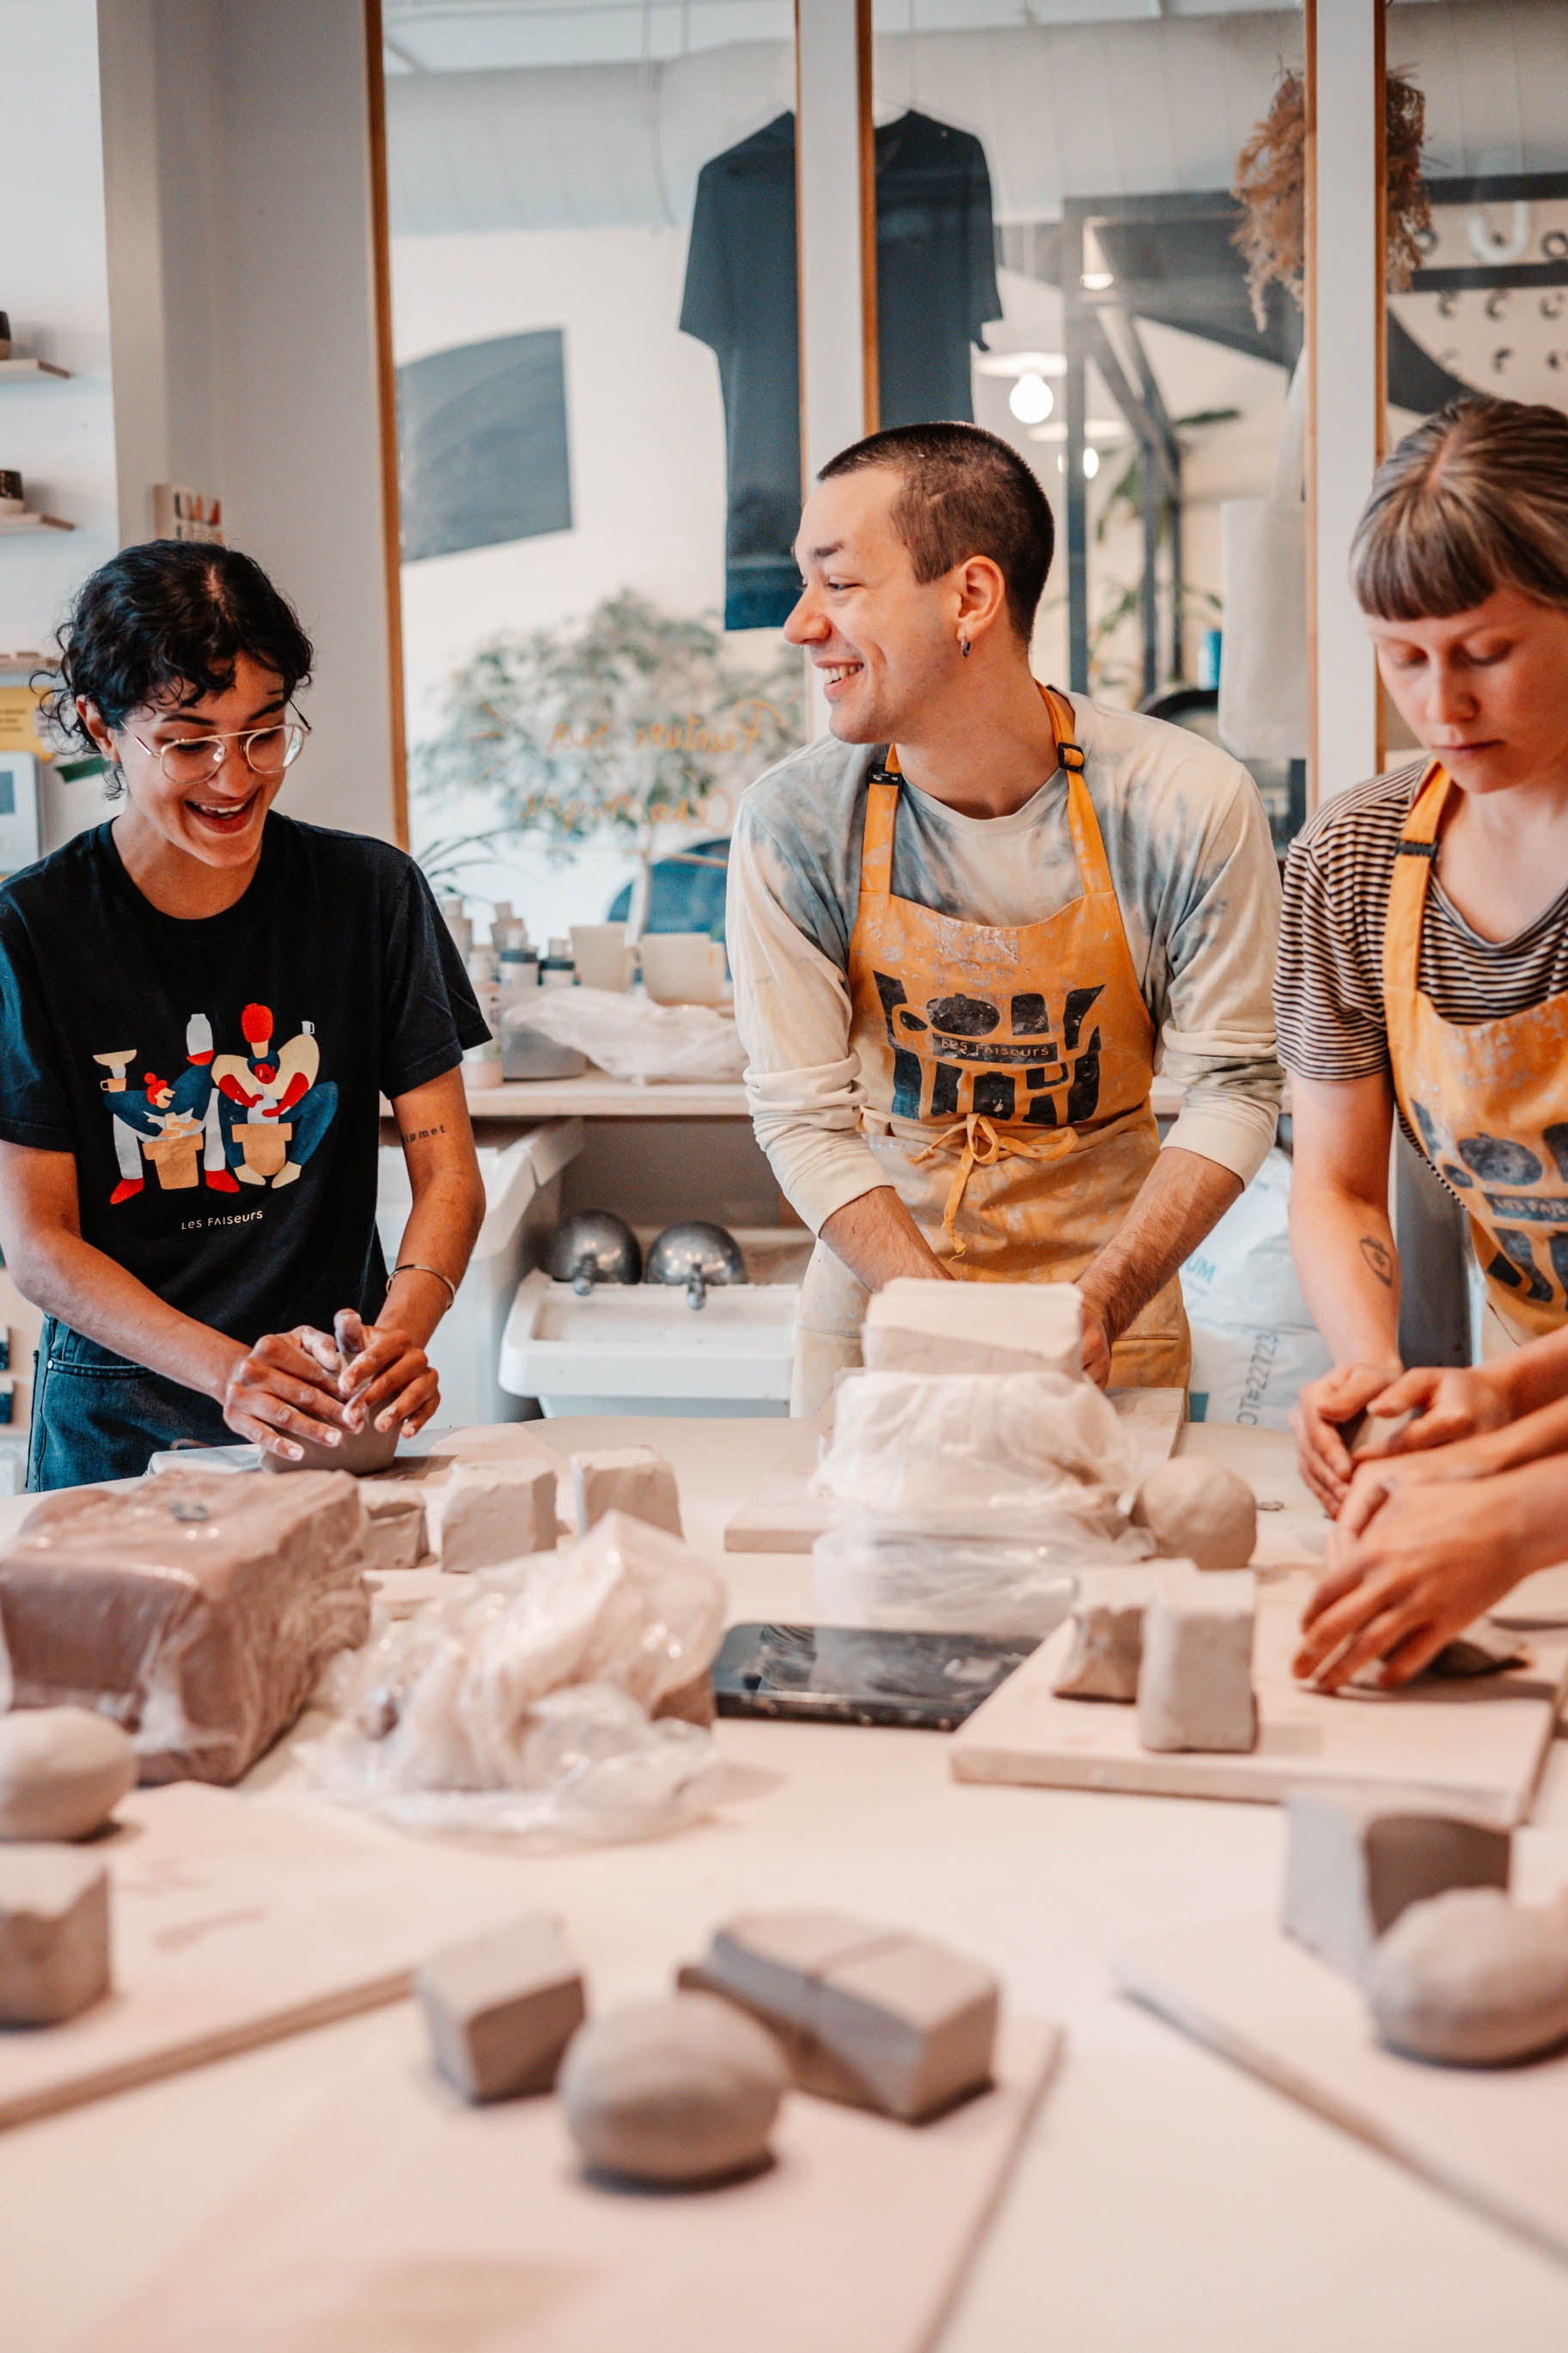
(1163,2198)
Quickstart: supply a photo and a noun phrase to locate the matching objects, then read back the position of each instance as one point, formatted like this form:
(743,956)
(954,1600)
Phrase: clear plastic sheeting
(866,1575)
(1036,1456)
(542,1700)
(632,1037)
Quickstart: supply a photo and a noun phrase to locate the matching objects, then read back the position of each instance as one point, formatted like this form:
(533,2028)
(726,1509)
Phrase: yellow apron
(1489,1100)
(1007,1075)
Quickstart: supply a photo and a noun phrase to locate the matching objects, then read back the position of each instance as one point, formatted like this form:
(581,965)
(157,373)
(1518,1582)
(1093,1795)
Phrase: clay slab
(1195,1685)
(482,1513)
(1107,1648)
(54,1934)
(630,1479)
(501,2008)
(1352,1864)
(974,1328)
(1474,1749)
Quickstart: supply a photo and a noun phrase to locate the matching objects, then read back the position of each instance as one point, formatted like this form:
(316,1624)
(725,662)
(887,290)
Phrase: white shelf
(27,522)
(24,371)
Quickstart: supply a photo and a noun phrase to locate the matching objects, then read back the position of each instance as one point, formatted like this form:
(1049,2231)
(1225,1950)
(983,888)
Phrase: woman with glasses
(202,1002)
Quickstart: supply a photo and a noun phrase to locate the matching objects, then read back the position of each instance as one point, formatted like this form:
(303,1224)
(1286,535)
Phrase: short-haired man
(966,926)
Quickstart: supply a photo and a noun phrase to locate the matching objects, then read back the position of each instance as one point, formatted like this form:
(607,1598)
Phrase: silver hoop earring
(963,648)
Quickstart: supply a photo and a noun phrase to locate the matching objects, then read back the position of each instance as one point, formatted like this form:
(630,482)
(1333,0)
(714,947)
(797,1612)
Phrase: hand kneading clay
(1194,1687)
(63,1771)
(1355,1865)
(481,1514)
(912,1326)
(1472,1979)
(1107,1648)
(1198,1510)
(54,1935)
(630,1479)
(870,2015)
(501,2008)
(683,2091)
(198,1609)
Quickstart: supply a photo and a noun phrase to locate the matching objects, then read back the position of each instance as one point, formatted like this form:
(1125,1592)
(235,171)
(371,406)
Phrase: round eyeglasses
(192,759)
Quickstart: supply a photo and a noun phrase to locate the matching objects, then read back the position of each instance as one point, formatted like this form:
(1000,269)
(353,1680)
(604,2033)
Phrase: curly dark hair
(164,623)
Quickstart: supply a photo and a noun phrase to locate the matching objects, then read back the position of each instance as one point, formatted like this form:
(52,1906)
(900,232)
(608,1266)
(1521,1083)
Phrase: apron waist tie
(980,1145)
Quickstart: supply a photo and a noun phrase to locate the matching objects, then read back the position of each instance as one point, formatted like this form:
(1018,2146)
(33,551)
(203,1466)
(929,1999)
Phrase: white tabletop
(1164,2198)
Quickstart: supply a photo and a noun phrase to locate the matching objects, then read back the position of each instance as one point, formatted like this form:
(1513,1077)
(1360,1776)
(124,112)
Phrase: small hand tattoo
(1380,1258)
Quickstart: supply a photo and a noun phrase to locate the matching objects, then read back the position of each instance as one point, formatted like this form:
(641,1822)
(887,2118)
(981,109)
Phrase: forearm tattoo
(1380,1258)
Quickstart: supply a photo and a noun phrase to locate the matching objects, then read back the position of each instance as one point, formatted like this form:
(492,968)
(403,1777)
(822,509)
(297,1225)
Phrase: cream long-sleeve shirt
(1187,842)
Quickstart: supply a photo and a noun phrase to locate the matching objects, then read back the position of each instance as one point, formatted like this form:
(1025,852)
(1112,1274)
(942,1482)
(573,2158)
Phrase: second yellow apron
(1489,1100)
(1007,1072)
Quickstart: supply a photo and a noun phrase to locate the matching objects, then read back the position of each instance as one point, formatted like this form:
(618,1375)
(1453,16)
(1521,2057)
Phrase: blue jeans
(95,1416)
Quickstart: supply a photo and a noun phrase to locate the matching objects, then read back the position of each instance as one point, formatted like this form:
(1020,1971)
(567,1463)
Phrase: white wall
(54,284)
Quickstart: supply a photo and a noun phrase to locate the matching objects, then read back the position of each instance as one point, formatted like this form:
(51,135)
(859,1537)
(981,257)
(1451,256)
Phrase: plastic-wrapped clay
(865,1574)
(974,1328)
(198,1609)
(875,2016)
(969,1453)
(482,1513)
(1353,1865)
(501,2007)
(63,1771)
(523,1698)
(1194,1686)
(54,1934)
(682,2091)
(630,1479)
(1472,1980)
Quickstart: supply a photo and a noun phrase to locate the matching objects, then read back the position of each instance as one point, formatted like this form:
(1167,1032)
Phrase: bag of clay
(1036,1456)
(633,1037)
(561,1698)
(866,1575)
(1255,1344)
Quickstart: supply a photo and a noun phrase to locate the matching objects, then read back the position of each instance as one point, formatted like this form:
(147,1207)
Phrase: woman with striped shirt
(1424,969)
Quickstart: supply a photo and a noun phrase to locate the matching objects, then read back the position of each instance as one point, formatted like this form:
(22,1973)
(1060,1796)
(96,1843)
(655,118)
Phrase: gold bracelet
(415,1266)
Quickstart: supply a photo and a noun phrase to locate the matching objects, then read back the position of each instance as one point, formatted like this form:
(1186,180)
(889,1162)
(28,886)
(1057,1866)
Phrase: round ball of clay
(1470,1978)
(1198,1510)
(63,1771)
(683,2090)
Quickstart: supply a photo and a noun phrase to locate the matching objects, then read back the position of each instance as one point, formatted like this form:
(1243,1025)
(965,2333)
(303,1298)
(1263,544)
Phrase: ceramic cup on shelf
(11,498)
(601,955)
(684,968)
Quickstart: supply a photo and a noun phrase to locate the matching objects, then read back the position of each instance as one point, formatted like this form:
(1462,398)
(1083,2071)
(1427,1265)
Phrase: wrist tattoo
(1380,1258)
(419,1135)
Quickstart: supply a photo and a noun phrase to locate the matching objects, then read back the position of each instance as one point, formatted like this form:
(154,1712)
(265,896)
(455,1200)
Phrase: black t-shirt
(936,288)
(218,1079)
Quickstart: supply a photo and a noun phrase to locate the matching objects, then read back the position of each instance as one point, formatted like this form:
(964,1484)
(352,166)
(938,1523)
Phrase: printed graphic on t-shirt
(1014,1064)
(226,1121)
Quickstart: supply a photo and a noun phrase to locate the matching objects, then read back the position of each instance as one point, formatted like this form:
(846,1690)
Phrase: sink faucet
(585,1274)
(696,1289)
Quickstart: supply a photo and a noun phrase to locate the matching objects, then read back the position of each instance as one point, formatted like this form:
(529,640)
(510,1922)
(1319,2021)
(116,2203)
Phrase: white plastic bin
(522,1203)
(641,1348)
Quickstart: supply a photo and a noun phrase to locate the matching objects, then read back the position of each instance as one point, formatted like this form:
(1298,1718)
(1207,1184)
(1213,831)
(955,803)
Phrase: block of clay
(1198,1510)
(481,1514)
(1368,1435)
(63,1771)
(1107,1646)
(867,2014)
(631,1478)
(394,1535)
(198,1609)
(357,1451)
(682,2091)
(1194,1687)
(1354,1864)
(974,1328)
(54,1935)
(501,2008)
(1473,1980)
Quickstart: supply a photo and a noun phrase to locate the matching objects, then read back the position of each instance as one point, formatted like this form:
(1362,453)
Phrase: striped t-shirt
(1329,992)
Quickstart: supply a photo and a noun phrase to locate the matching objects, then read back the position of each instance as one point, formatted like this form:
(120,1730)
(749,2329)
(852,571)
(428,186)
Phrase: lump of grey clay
(1371,1435)
(63,1771)
(1355,1865)
(630,1479)
(1472,1979)
(1198,1510)
(501,2009)
(1107,1646)
(682,2091)
(1194,1687)
(54,1935)
(482,1513)
(867,2014)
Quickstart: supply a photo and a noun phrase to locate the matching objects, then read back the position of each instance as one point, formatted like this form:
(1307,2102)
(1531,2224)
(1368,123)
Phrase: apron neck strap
(1413,863)
(881,817)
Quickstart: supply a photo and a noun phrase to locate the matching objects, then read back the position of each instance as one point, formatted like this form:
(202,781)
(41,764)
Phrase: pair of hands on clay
(312,1385)
(1452,1403)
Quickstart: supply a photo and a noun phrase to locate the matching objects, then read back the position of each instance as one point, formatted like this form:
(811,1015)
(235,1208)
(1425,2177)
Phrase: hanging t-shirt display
(936,290)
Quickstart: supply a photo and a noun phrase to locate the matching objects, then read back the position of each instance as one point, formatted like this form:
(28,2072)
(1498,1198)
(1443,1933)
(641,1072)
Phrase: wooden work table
(1164,2200)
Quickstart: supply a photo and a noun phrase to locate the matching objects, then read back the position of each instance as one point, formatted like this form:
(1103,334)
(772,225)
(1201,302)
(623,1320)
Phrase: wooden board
(400,2217)
(787,1517)
(1491,2136)
(235,1921)
(1477,1745)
